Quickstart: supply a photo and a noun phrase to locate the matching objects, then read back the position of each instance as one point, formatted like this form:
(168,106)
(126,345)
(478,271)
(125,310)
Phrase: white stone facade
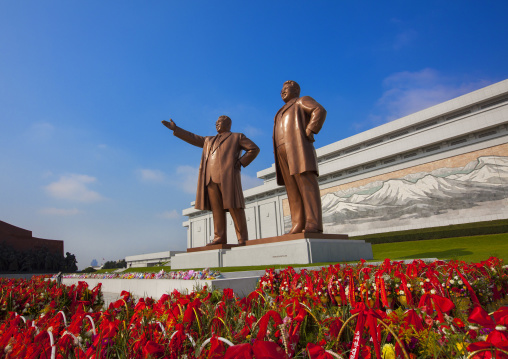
(150,259)
(461,146)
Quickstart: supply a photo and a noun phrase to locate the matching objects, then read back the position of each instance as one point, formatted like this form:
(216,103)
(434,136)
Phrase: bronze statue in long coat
(295,157)
(219,185)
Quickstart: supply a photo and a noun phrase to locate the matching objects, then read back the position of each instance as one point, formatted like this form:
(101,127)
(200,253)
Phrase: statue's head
(223,124)
(290,90)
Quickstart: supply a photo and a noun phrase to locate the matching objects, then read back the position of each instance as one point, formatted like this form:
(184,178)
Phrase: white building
(447,164)
(150,259)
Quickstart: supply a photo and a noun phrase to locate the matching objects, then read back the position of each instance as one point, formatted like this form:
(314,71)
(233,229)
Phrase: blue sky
(84,86)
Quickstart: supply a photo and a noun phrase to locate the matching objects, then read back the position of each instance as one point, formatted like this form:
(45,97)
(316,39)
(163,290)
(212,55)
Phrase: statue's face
(287,93)
(222,125)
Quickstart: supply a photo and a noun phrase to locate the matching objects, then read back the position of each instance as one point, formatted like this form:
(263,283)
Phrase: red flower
(267,350)
(240,351)
(228,294)
(153,349)
(263,323)
(459,323)
(317,352)
(217,349)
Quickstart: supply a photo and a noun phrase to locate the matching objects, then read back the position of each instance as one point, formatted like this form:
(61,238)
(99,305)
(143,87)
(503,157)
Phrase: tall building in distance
(447,164)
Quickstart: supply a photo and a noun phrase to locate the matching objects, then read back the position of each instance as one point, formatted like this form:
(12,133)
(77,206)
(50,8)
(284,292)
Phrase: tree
(89,270)
(121,263)
(70,262)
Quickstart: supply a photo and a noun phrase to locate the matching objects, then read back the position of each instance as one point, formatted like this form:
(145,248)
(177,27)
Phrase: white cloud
(420,78)
(169,214)
(408,92)
(148,175)
(187,178)
(60,211)
(250,182)
(74,187)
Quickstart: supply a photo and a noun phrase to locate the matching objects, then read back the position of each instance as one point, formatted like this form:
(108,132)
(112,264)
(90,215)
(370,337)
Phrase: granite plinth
(298,251)
(298,248)
(201,259)
(291,237)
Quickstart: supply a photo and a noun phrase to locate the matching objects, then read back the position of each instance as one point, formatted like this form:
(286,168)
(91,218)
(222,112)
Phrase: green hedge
(457,230)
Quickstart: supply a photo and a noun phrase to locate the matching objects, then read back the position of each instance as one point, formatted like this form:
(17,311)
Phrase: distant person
(219,180)
(295,157)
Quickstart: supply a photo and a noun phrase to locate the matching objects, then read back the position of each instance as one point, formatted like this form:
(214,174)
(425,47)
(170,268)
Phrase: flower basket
(387,327)
(402,300)
(462,304)
(390,302)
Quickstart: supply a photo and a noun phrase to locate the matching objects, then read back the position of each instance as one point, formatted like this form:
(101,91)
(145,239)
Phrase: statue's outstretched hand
(171,125)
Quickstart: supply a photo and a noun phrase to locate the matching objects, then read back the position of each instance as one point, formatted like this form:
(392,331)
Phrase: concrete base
(300,251)
(155,288)
(201,259)
(278,252)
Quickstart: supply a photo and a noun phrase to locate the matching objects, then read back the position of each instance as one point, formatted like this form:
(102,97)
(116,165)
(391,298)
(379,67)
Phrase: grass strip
(468,249)
(452,231)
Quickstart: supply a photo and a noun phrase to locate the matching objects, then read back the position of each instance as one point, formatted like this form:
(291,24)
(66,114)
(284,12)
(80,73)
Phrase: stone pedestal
(289,249)
(200,259)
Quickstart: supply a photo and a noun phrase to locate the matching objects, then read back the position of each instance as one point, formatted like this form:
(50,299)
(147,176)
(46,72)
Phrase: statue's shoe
(312,230)
(217,241)
(297,228)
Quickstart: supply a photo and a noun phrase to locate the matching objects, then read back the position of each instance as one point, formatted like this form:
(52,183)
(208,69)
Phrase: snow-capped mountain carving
(420,194)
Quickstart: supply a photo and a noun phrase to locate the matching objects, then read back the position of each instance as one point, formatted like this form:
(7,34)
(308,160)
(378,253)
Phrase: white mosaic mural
(477,189)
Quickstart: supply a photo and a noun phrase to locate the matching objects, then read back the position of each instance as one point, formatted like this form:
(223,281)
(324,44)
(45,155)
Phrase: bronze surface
(219,180)
(295,156)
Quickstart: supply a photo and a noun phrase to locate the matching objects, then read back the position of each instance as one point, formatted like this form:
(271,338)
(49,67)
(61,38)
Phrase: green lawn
(469,249)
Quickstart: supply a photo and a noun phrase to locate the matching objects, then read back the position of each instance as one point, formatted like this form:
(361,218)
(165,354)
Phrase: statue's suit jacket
(301,113)
(229,151)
